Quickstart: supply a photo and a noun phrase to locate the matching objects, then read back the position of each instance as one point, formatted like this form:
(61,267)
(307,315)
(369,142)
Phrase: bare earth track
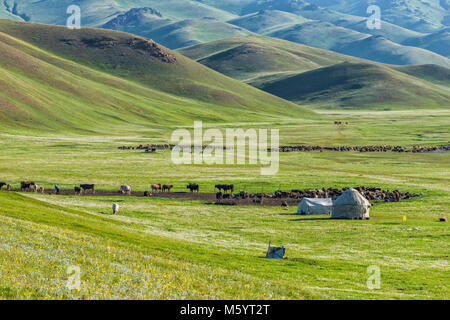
(279,198)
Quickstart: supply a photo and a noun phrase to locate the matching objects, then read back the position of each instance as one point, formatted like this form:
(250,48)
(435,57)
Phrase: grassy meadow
(185,249)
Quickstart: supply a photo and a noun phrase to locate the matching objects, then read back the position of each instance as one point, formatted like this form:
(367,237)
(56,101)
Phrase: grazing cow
(167,187)
(156,187)
(229,187)
(147,194)
(41,190)
(115,208)
(2,184)
(219,196)
(125,189)
(193,187)
(26,185)
(243,194)
(224,187)
(77,190)
(35,188)
(85,187)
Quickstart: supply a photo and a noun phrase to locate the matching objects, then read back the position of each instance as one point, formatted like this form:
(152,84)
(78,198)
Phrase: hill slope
(280,67)
(362,84)
(54,78)
(259,59)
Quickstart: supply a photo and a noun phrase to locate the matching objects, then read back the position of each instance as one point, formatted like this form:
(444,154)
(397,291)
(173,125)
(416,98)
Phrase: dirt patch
(278,198)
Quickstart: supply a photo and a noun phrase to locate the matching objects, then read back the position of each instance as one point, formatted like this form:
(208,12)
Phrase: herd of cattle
(304,148)
(226,192)
(415,149)
(33,186)
(370,193)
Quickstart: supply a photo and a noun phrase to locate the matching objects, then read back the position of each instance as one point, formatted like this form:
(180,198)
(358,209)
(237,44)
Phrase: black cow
(193,187)
(26,185)
(85,187)
(224,187)
(2,184)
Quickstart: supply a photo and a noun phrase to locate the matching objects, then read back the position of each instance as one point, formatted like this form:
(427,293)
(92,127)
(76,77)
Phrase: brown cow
(167,187)
(156,187)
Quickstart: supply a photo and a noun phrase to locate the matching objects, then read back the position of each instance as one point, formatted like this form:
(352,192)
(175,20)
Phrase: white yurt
(315,206)
(351,205)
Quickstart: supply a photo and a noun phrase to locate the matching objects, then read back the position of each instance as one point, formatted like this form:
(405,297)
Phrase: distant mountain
(322,78)
(377,48)
(53,78)
(150,23)
(338,25)
(417,15)
(96,13)
(319,34)
(401,20)
(268,21)
(423,16)
(438,42)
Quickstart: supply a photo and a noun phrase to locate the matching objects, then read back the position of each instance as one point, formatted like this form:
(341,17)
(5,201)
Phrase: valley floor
(180,248)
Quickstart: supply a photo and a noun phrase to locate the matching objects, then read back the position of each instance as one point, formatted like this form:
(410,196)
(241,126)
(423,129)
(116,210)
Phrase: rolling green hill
(362,84)
(280,67)
(429,72)
(259,59)
(61,79)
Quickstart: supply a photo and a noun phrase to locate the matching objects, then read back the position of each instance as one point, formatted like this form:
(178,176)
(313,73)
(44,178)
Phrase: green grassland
(175,249)
(70,99)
